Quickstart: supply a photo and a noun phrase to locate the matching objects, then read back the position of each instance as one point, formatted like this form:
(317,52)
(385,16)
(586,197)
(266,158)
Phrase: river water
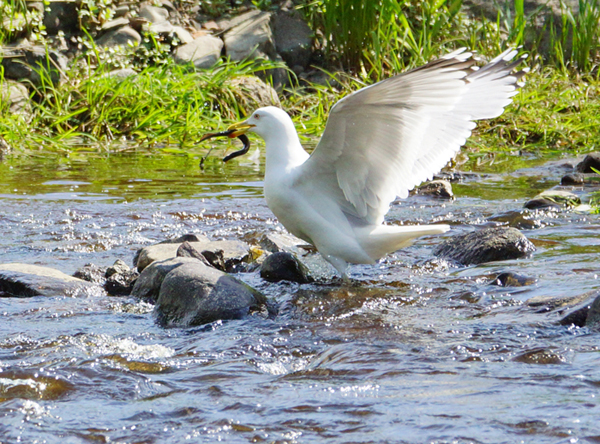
(415,351)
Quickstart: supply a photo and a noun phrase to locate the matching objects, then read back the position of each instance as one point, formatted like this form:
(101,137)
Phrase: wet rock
(540,356)
(61,16)
(487,245)
(121,284)
(251,93)
(293,39)
(186,249)
(284,266)
(120,279)
(521,220)
(203,52)
(225,255)
(593,318)
(119,37)
(510,279)
(577,316)
(153,14)
(16,96)
(23,63)
(91,273)
(148,284)
(572,179)
(24,280)
(194,294)
(590,161)
(545,304)
(250,37)
(436,188)
(163,250)
(553,199)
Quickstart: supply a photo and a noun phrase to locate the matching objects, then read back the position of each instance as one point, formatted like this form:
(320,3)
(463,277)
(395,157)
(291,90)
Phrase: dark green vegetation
(169,106)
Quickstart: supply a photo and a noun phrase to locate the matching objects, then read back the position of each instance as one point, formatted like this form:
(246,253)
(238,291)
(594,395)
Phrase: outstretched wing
(384,139)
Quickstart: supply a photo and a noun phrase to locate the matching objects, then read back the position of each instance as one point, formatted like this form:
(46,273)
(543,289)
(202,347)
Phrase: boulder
(487,245)
(590,161)
(24,280)
(119,37)
(293,39)
(194,294)
(572,179)
(24,62)
(61,16)
(250,37)
(252,93)
(186,249)
(284,266)
(149,281)
(203,52)
(436,188)
(16,96)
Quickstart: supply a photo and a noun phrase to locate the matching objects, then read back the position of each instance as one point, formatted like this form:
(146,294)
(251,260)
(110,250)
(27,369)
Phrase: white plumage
(379,143)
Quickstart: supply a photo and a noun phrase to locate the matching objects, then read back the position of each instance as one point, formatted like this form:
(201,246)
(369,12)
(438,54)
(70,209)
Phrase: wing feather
(384,139)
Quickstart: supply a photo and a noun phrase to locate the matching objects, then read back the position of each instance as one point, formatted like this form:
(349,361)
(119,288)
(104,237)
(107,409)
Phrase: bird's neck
(283,150)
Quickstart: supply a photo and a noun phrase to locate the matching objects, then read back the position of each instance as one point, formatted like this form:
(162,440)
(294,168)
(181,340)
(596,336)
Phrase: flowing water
(415,351)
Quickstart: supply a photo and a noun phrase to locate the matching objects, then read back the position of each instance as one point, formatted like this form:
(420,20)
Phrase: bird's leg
(340,265)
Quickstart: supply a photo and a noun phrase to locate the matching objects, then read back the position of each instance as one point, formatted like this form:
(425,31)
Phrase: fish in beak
(238,130)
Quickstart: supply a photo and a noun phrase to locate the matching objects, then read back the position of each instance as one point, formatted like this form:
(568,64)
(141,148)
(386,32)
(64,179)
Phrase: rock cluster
(194,40)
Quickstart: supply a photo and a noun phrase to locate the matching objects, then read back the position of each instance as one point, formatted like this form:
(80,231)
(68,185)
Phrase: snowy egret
(379,143)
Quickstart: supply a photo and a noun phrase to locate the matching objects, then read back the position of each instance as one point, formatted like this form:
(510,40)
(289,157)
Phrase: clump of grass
(162,105)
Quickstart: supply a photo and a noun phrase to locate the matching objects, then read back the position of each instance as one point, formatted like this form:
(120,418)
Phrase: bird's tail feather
(383,239)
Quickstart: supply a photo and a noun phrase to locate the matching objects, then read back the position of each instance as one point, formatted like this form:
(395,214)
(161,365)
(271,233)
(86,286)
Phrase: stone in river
(590,161)
(487,245)
(24,280)
(194,294)
(283,266)
(147,286)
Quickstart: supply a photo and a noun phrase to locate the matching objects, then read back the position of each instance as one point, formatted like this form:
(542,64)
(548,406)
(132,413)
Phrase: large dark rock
(24,280)
(590,161)
(147,286)
(487,245)
(120,279)
(293,39)
(61,16)
(25,62)
(194,294)
(284,266)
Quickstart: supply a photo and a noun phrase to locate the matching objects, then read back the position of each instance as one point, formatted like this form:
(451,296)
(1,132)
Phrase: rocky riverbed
(434,343)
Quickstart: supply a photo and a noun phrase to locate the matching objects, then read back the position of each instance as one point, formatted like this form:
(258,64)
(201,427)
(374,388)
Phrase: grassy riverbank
(169,106)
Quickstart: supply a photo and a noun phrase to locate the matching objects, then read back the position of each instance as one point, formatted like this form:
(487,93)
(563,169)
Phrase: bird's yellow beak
(237,129)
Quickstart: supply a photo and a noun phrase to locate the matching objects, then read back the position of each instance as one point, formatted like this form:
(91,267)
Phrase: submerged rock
(194,294)
(283,266)
(510,279)
(487,245)
(553,199)
(91,273)
(24,280)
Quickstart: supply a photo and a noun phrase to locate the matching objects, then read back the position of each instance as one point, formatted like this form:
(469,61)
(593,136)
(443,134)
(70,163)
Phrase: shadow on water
(414,350)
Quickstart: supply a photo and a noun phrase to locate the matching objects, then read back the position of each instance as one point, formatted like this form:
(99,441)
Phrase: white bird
(379,143)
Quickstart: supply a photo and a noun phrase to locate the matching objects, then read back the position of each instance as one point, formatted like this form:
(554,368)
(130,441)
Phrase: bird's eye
(257,116)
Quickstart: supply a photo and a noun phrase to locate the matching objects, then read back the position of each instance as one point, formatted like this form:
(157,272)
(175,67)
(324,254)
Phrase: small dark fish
(228,133)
